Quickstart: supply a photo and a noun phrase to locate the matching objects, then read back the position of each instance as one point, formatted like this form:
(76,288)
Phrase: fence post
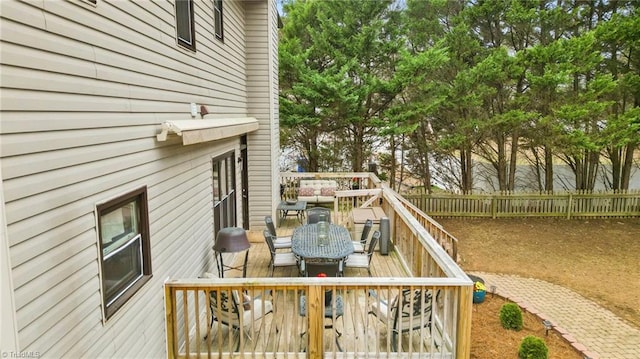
(569,204)
(493,207)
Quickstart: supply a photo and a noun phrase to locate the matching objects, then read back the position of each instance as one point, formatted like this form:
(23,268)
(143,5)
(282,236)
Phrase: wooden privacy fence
(508,205)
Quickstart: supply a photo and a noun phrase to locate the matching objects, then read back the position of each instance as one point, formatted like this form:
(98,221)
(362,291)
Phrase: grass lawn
(598,258)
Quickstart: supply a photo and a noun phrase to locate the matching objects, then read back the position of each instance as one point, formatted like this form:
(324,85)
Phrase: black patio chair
(333,305)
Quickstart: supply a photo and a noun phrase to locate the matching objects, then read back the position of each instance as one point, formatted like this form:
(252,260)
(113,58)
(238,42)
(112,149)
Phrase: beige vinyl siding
(8,324)
(274,88)
(263,155)
(84,91)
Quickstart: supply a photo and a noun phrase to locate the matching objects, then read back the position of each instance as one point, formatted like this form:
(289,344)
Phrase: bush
(533,347)
(511,316)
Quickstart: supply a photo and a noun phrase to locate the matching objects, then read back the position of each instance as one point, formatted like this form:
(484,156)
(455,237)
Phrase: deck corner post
(169,310)
(465,307)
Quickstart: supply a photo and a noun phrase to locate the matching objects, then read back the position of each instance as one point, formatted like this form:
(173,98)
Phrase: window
(125,257)
(185,24)
(217,19)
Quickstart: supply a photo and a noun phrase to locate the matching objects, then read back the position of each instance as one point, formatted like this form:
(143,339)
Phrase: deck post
(169,309)
(315,316)
(465,306)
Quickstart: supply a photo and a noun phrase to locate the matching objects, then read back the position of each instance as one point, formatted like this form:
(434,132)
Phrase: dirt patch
(489,340)
(597,258)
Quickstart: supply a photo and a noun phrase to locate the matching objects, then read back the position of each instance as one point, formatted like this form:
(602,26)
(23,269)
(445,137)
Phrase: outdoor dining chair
(409,311)
(279,259)
(333,305)
(358,246)
(279,242)
(312,268)
(363,260)
(236,310)
(313,214)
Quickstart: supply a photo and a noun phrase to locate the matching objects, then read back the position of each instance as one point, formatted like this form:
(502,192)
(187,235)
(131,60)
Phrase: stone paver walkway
(593,330)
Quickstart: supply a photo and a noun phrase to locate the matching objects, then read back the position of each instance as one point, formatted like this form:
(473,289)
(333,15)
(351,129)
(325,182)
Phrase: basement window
(125,253)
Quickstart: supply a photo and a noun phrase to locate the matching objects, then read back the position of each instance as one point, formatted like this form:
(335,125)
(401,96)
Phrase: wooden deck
(382,265)
(419,262)
(360,330)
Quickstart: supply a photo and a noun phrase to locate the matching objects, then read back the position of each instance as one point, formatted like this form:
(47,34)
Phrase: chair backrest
(313,214)
(414,311)
(224,307)
(270,226)
(368,224)
(269,239)
(330,268)
(372,245)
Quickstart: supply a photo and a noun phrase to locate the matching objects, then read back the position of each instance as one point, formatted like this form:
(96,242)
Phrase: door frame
(244,175)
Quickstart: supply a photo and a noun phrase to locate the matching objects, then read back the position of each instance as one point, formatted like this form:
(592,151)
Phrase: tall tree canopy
(337,72)
(467,90)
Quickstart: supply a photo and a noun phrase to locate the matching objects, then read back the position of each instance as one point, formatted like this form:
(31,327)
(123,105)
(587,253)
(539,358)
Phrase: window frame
(218,19)
(186,43)
(112,303)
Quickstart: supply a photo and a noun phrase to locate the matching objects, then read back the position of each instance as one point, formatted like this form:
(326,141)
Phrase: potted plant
(354,183)
(479,292)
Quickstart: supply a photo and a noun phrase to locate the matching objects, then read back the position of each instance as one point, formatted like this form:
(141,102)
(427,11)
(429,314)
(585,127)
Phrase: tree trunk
(501,166)
(401,163)
(626,168)
(548,169)
(513,162)
(466,169)
(392,170)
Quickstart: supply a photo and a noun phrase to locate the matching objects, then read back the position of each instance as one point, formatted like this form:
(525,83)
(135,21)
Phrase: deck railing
(423,247)
(284,332)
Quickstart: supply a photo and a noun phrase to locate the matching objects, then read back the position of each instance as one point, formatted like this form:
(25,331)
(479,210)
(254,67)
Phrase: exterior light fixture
(203,111)
(493,290)
(547,326)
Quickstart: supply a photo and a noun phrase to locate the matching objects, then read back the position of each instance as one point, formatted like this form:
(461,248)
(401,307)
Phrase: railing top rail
(411,205)
(626,193)
(448,265)
(317,175)
(304,281)
(358,192)
(326,174)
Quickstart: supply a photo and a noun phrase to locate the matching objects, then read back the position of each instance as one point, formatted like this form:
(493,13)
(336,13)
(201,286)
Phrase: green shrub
(533,347)
(511,316)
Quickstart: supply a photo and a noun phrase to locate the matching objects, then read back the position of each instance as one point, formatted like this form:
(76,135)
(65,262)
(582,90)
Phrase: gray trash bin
(385,235)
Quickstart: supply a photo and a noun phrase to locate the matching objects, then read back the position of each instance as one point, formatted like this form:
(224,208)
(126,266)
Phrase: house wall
(262,86)
(84,91)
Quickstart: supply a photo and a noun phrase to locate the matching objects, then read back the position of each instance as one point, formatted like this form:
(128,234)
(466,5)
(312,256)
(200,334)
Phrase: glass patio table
(298,208)
(304,242)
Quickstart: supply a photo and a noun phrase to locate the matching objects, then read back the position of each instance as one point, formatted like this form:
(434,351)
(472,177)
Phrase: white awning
(197,131)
